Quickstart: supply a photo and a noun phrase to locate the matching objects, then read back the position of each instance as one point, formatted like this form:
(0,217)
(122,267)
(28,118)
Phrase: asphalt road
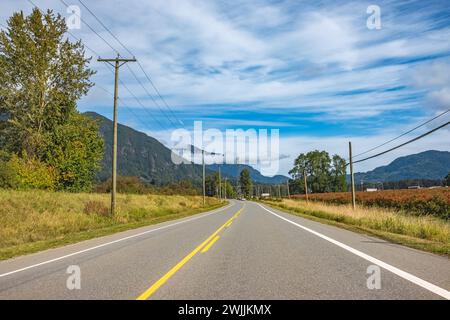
(242,251)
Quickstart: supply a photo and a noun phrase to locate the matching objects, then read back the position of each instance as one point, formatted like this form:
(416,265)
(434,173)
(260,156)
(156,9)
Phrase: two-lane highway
(242,251)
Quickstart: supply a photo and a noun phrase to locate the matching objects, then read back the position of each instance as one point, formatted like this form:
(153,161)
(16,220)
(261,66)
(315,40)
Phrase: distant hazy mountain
(233,170)
(145,157)
(433,165)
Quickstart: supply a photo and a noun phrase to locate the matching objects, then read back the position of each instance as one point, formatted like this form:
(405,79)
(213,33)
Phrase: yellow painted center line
(229,224)
(210,244)
(171,272)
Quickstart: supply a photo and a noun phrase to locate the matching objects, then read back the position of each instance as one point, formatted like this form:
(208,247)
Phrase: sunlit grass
(30,217)
(427,228)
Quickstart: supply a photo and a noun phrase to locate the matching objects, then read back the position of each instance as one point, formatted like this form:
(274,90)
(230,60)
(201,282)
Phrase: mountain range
(431,165)
(145,157)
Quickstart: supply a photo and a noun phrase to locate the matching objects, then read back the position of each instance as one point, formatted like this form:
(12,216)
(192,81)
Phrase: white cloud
(305,58)
(435,80)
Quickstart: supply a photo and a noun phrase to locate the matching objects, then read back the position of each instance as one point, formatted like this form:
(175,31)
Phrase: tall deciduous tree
(338,174)
(212,184)
(323,174)
(229,190)
(246,183)
(42,75)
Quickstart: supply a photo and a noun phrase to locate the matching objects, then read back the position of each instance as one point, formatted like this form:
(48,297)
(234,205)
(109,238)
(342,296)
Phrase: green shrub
(26,173)
(128,185)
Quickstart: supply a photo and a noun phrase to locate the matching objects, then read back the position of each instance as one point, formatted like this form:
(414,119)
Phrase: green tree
(75,150)
(338,174)
(229,190)
(42,75)
(323,174)
(447,180)
(212,184)
(246,183)
(301,168)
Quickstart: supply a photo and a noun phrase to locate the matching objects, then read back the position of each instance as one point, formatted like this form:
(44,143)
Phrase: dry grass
(434,232)
(35,220)
(414,202)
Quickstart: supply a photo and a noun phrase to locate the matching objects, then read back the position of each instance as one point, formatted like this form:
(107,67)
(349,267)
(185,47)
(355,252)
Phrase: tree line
(231,188)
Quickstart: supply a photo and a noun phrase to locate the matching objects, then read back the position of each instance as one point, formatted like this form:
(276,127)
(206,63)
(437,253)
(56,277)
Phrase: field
(35,220)
(425,232)
(434,202)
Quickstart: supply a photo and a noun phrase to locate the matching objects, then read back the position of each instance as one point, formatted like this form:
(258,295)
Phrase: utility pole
(287,188)
(352,177)
(225,189)
(279,191)
(220,185)
(203,178)
(116,63)
(306,185)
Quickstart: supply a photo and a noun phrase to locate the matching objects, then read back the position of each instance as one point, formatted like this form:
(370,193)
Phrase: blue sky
(311,69)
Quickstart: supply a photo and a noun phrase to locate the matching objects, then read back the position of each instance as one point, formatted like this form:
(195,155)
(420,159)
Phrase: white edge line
(405,275)
(112,242)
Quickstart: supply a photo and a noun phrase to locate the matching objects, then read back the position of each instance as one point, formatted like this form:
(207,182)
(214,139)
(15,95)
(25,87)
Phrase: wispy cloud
(312,69)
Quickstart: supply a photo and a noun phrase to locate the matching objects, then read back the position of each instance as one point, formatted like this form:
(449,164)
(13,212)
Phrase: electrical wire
(96,53)
(404,134)
(138,62)
(403,144)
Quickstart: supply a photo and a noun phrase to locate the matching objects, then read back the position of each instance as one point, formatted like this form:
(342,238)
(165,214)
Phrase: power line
(157,91)
(70,33)
(104,26)
(404,134)
(405,143)
(125,106)
(139,64)
(97,54)
(139,102)
(114,49)
(92,29)
(148,93)
(143,107)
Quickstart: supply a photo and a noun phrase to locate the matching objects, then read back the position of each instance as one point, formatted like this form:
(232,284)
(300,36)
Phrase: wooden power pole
(220,185)
(116,63)
(305,181)
(203,178)
(225,189)
(352,177)
(287,188)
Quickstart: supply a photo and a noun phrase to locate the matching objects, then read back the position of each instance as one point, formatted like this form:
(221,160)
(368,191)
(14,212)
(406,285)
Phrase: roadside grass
(32,221)
(426,233)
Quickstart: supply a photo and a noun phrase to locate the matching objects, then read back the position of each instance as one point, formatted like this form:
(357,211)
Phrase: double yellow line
(205,245)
